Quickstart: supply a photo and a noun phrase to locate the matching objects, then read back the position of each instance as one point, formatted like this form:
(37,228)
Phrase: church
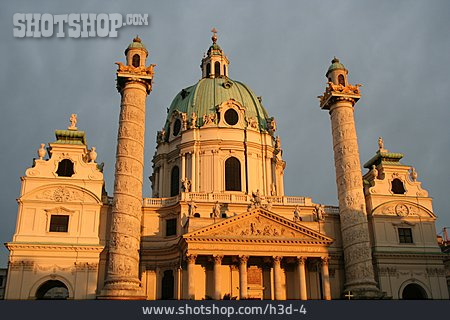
(218,224)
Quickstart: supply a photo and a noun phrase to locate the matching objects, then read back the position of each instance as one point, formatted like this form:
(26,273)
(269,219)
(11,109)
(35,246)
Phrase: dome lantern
(215,63)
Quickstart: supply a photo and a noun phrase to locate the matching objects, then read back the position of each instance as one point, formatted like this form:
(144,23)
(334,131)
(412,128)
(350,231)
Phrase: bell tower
(134,82)
(339,99)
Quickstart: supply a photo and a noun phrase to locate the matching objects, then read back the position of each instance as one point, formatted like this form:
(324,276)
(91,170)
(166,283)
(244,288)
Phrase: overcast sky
(398,50)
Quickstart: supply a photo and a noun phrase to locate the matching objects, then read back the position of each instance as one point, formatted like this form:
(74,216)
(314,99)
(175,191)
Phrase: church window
(176,127)
(136,61)
(65,168)
(196,215)
(174,181)
(397,187)
(341,79)
(231,117)
(171,227)
(232,174)
(208,69)
(405,235)
(217,69)
(59,223)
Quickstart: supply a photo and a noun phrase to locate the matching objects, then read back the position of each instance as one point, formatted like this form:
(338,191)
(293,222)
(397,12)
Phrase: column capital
(325,260)
(243,258)
(301,259)
(190,258)
(217,258)
(276,259)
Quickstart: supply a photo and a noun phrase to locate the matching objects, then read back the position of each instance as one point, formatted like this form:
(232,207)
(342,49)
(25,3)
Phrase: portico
(274,266)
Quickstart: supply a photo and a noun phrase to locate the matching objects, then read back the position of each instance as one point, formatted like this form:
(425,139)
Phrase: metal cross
(349,295)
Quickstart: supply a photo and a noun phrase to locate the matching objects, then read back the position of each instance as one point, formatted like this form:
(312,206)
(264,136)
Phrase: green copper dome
(335,65)
(136,44)
(207,94)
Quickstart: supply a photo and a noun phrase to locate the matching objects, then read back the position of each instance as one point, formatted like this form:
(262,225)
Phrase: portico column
(190,259)
(325,279)
(302,278)
(217,287)
(277,277)
(243,292)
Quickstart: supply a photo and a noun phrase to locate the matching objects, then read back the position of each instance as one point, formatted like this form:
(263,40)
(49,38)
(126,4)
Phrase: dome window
(208,70)
(65,168)
(217,68)
(136,61)
(397,187)
(341,79)
(232,174)
(231,117)
(176,127)
(174,181)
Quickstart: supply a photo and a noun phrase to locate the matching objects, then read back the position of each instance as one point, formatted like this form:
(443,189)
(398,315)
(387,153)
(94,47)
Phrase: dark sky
(398,50)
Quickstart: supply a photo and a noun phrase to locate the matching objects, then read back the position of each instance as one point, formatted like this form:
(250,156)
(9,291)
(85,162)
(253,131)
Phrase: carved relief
(209,119)
(60,194)
(257,227)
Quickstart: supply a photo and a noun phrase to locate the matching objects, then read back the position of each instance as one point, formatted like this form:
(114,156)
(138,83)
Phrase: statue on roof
(73,122)
(380,143)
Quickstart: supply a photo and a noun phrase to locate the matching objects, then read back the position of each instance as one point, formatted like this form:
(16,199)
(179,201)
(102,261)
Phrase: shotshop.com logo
(74,25)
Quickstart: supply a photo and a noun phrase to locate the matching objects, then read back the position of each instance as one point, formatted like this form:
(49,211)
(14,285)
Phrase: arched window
(52,290)
(341,79)
(176,127)
(196,215)
(175,181)
(397,187)
(65,168)
(167,285)
(232,174)
(413,291)
(136,60)
(208,70)
(217,69)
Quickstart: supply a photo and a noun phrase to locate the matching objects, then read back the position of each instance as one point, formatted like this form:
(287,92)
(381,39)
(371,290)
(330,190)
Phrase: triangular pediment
(262,226)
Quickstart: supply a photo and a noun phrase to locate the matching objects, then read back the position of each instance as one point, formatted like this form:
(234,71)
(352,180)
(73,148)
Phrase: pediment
(61,193)
(262,226)
(402,208)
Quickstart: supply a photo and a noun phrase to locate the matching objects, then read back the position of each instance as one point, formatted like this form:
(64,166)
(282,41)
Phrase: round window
(176,127)
(231,117)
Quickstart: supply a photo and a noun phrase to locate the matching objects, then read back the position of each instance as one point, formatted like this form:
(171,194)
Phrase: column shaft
(243,286)
(194,170)
(325,280)
(302,278)
(277,277)
(217,285)
(352,211)
(122,274)
(190,260)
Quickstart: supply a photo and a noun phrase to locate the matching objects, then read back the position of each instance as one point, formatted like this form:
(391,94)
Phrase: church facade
(218,224)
